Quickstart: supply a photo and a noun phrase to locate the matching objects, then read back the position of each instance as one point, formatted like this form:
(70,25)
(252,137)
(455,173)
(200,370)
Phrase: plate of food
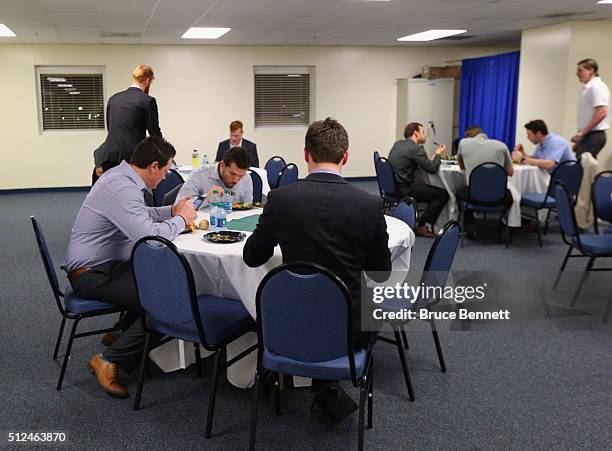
(242,205)
(224,237)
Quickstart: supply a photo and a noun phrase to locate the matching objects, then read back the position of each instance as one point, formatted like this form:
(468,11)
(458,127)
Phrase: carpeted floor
(542,382)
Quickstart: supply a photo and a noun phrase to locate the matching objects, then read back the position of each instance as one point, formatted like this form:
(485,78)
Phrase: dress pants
(592,142)
(435,197)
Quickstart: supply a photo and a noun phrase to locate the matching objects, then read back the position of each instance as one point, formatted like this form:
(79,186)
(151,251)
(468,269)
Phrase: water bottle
(195,159)
(227,202)
(214,215)
(204,160)
(221,219)
(216,199)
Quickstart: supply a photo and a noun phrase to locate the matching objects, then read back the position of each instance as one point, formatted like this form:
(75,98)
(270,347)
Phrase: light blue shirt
(204,178)
(555,148)
(325,171)
(113,217)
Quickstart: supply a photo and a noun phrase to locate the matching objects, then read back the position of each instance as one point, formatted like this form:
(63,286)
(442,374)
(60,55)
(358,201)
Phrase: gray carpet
(537,384)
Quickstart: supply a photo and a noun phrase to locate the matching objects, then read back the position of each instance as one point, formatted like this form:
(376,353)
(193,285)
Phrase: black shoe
(338,403)
(318,411)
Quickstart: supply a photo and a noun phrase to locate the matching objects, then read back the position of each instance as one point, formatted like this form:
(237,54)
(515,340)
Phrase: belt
(77,272)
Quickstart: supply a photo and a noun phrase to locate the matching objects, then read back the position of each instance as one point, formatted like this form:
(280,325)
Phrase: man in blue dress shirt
(551,149)
(112,218)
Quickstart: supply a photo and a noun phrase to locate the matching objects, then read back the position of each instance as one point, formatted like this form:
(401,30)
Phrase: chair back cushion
(487,185)
(407,213)
(172,179)
(163,280)
(565,209)
(273,167)
(288,175)
(570,173)
(304,316)
(170,196)
(385,177)
(602,195)
(45,255)
(257,186)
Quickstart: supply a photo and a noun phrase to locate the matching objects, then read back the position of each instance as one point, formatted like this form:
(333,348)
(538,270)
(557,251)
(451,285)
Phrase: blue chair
(570,173)
(486,194)
(288,175)
(273,167)
(170,196)
(304,328)
(73,307)
(257,186)
(407,212)
(173,178)
(168,301)
(590,246)
(601,195)
(386,181)
(437,266)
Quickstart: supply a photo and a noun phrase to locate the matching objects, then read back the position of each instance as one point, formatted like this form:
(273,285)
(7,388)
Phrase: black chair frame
(364,383)
(583,254)
(389,199)
(217,350)
(66,314)
(496,203)
(180,177)
(595,213)
(257,195)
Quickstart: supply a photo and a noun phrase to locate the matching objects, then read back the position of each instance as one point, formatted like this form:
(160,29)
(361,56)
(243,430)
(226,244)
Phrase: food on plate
(203,225)
(190,227)
(242,205)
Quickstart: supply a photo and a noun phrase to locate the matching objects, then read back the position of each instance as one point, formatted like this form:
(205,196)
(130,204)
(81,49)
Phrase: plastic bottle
(214,213)
(227,202)
(221,219)
(204,160)
(195,159)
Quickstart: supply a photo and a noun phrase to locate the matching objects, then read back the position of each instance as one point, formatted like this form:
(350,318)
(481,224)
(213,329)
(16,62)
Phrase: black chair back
(601,195)
(487,185)
(257,186)
(288,175)
(172,179)
(273,167)
(570,173)
(171,195)
(48,263)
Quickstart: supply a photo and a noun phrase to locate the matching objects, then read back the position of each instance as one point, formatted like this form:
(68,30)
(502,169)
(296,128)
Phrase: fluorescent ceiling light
(6,32)
(431,35)
(56,80)
(64,86)
(204,33)
(74,92)
(604,2)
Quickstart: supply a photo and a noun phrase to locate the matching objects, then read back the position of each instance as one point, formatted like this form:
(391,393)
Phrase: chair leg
(198,358)
(537,221)
(67,355)
(59,337)
(582,279)
(277,408)
(141,372)
(363,390)
(402,357)
(404,338)
(253,428)
(370,394)
(546,222)
(567,256)
(213,394)
(434,333)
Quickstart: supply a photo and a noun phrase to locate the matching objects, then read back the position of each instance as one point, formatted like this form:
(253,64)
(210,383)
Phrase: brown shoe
(108,339)
(424,232)
(106,373)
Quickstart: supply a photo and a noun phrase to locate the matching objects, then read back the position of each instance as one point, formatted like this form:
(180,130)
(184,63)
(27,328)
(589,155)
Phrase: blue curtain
(489,89)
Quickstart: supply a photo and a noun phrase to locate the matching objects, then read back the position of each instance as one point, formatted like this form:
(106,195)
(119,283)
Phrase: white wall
(548,86)
(199,90)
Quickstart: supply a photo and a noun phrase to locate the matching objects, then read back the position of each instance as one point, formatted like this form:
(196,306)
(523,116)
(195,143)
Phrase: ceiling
(286,22)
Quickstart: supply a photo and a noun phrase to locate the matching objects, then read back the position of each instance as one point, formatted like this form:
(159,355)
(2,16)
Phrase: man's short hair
(590,64)
(326,141)
(152,149)
(142,72)
(237,155)
(236,125)
(472,131)
(537,125)
(411,129)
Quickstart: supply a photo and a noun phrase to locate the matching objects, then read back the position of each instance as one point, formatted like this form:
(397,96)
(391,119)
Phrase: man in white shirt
(593,115)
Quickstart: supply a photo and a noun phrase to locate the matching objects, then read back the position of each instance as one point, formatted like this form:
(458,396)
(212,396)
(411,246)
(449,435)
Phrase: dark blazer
(324,219)
(247,145)
(129,115)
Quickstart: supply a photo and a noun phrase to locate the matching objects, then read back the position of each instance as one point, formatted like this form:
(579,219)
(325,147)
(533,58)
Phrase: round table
(526,179)
(219,270)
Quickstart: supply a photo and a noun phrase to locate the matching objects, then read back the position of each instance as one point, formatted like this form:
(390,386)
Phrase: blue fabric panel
(79,306)
(599,245)
(536,200)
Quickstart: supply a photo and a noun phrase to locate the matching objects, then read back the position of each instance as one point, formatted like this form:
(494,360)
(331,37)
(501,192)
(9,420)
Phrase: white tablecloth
(526,179)
(186,171)
(219,270)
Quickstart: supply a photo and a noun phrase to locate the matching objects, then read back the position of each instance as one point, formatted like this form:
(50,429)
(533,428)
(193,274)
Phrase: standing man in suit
(325,220)
(236,140)
(129,115)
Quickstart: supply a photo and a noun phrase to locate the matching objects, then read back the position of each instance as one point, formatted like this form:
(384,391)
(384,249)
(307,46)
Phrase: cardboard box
(434,72)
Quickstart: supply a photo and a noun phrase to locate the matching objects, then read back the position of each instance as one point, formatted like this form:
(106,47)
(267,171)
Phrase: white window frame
(50,70)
